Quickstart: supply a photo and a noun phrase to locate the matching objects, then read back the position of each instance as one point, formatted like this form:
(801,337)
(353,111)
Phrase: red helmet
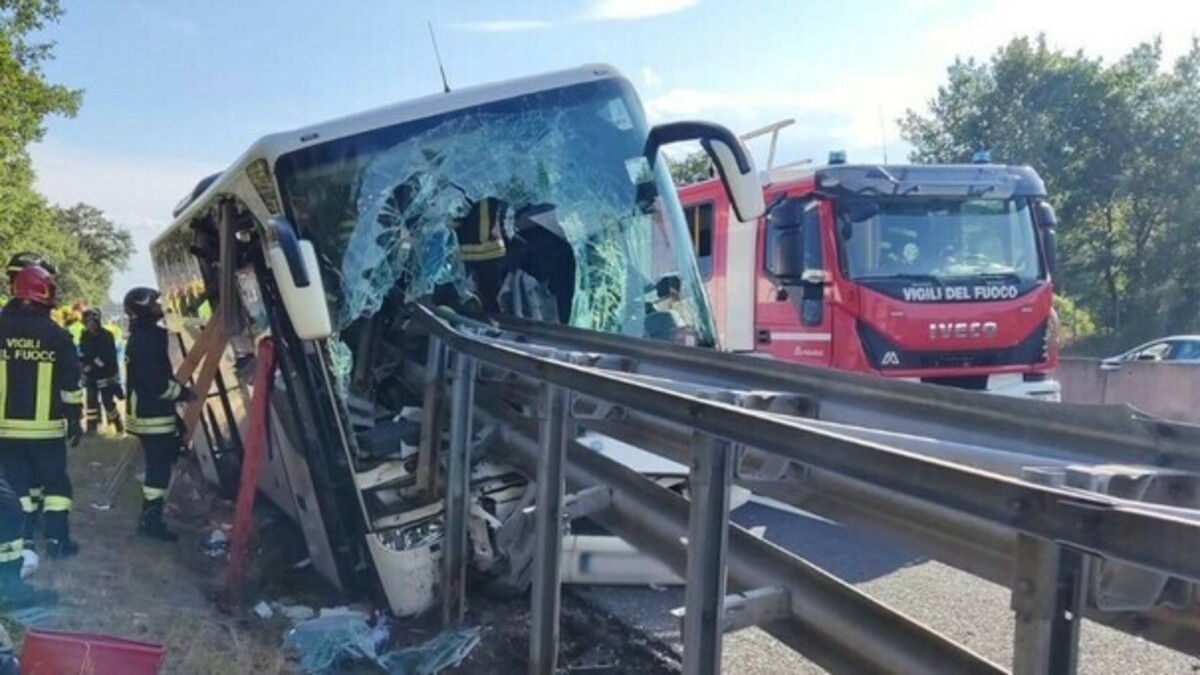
(36,285)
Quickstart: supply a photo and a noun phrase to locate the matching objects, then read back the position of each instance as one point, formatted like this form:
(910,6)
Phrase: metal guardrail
(1055,525)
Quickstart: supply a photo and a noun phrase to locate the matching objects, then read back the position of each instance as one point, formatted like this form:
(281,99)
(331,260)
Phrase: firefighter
(16,263)
(14,592)
(98,353)
(20,261)
(40,409)
(150,409)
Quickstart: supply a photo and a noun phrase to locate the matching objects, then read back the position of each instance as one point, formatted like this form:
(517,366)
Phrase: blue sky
(176,90)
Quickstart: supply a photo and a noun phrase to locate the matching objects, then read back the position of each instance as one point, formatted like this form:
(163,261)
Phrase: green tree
(693,168)
(103,248)
(1118,145)
(86,247)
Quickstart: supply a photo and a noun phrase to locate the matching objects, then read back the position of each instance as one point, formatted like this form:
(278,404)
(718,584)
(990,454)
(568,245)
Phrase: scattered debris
(294,613)
(263,610)
(445,650)
(29,562)
(217,544)
(341,611)
(327,641)
(35,617)
(341,635)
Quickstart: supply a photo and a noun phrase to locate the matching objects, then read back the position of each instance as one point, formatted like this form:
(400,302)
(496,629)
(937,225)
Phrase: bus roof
(234,181)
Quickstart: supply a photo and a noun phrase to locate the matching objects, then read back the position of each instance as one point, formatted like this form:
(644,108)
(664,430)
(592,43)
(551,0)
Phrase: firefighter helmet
(91,314)
(142,303)
(36,285)
(25,259)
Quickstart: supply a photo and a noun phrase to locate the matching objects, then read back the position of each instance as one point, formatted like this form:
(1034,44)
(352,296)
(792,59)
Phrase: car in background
(1171,350)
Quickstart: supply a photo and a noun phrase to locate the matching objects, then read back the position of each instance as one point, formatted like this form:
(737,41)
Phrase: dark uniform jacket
(39,375)
(153,390)
(98,352)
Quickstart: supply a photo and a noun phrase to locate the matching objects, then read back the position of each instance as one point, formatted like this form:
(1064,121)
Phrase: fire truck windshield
(541,206)
(939,239)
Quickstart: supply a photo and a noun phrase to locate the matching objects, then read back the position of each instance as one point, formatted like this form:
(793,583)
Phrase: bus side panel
(305,508)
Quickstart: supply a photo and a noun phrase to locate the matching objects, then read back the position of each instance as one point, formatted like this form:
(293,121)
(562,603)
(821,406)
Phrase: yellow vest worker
(40,403)
(75,328)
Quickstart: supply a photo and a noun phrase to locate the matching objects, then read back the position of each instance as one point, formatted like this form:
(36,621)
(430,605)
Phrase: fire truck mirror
(1047,223)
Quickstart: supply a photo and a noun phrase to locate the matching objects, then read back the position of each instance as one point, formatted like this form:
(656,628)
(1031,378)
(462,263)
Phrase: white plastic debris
(341,610)
(29,562)
(263,610)
(295,613)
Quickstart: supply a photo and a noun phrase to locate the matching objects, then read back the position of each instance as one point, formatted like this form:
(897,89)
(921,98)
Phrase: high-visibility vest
(39,376)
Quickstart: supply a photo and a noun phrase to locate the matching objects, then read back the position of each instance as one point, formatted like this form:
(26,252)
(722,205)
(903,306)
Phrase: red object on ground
(252,454)
(49,652)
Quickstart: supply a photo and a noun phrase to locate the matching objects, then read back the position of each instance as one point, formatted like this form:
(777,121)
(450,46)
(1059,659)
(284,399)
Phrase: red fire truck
(936,273)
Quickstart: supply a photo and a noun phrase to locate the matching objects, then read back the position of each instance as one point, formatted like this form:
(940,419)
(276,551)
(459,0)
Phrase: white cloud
(134,192)
(501,26)
(626,10)
(845,114)
(651,78)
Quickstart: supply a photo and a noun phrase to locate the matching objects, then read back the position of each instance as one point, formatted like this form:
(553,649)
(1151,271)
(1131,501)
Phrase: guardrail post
(709,482)
(458,493)
(547,573)
(1048,599)
(431,417)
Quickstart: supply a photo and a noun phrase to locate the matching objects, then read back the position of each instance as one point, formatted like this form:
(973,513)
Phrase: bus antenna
(437,54)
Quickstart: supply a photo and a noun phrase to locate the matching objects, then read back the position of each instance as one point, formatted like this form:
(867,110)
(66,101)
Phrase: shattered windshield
(541,206)
(937,238)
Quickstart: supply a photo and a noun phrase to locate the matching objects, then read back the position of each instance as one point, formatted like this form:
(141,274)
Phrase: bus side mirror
(294,265)
(734,164)
(1047,222)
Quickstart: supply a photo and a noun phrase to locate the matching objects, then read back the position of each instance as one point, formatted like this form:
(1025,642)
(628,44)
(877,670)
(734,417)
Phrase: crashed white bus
(544,198)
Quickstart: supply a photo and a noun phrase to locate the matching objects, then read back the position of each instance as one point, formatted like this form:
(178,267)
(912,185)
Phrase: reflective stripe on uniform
(72,396)
(28,505)
(151,493)
(11,550)
(36,492)
(481,252)
(173,391)
(485,248)
(56,503)
(45,382)
(33,429)
(151,426)
(3,388)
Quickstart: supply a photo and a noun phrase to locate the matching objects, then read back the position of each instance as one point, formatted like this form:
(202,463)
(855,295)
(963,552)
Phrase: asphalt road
(965,608)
